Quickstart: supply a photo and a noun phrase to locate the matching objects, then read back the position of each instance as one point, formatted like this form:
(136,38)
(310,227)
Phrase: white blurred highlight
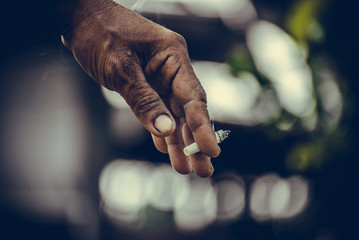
(114,99)
(236,100)
(282,61)
(235,14)
(299,197)
(279,198)
(128,187)
(332,100)
(227,95)
(259,197)
(231,195)
(273,198)
(197,207)
(122,189)
(166,187)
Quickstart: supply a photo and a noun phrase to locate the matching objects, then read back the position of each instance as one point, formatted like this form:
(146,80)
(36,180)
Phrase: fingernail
(163,123)
(219,149)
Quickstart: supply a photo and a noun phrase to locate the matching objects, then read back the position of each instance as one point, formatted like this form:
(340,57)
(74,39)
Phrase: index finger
(191,96)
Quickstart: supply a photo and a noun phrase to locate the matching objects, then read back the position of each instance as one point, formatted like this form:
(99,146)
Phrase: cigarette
(193,148)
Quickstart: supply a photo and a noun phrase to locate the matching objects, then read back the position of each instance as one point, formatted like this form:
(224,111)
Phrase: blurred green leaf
(303,21)
(240,60)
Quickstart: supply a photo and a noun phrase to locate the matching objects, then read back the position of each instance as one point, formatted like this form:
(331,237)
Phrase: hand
(149,66)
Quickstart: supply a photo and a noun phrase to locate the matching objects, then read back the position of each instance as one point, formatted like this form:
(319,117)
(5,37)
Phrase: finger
(175,145)
(160,144)
(190,94)
(144,101)
(201,163)
(162,69)
(176,108)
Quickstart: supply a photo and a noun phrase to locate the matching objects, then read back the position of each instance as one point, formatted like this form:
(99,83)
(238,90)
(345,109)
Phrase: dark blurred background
(280,74)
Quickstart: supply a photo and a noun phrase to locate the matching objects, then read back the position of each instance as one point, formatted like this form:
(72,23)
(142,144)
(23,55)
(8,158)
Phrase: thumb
(145,102)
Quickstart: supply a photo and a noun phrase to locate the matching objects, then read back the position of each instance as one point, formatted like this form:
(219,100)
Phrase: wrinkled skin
(149,66)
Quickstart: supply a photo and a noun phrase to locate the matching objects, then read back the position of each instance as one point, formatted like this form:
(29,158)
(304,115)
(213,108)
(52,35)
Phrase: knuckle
(142,103)
(116,73)
(173,64)
(109,41)
(173,60)
(109,73)
(176,40)
(201,94)
(197,95)
(179,39)
(108,77)
(146,104)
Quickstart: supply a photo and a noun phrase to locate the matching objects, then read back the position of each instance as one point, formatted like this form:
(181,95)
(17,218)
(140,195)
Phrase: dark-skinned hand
(149,66)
